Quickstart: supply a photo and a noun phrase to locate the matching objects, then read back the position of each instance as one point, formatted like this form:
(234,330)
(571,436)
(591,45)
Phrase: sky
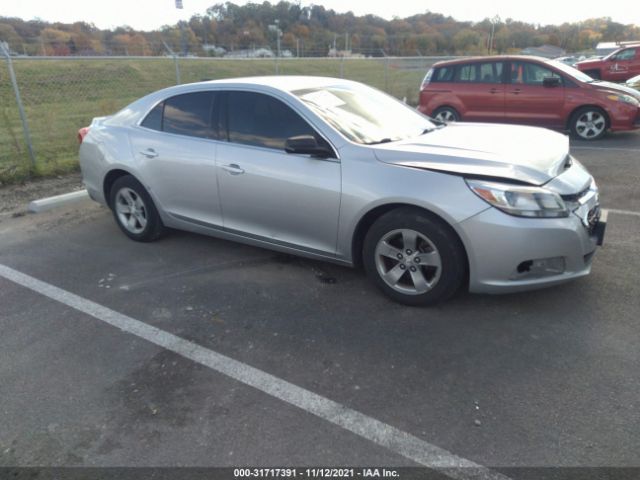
(152,14)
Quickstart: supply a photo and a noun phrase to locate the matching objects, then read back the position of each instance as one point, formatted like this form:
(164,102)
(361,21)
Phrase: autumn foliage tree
(311,29)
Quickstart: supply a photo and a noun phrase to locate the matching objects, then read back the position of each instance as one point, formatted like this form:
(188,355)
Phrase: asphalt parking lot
(319,368)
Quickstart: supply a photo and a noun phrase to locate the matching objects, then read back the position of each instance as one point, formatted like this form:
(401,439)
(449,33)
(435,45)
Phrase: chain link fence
(61,94)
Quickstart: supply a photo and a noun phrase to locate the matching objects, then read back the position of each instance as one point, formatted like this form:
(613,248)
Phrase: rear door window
(153,120)
(189,114)
(467,73)
(488,72)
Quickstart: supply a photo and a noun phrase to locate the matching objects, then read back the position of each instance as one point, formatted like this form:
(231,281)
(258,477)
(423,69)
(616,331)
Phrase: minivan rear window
(443,74)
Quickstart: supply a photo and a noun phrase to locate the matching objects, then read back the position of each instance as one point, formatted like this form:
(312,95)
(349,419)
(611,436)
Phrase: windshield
(363,114)
(571,71)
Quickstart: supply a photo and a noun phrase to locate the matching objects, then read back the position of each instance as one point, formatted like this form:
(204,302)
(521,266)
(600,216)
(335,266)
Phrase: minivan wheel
(134,211)
(588,123)
(413,257)
(446,115)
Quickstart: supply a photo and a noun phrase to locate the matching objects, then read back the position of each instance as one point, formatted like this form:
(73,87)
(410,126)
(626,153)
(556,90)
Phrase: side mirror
(306,145)
(551,82)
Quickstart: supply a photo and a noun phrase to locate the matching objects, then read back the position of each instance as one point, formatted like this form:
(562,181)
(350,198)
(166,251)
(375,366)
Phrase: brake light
(427,78)
(82,133)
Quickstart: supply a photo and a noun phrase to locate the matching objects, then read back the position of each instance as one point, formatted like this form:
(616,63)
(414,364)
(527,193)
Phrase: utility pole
(494,20)
(276,28)
(183,33)
(278,35)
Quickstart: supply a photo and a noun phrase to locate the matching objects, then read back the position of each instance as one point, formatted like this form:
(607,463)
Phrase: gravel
(14,199)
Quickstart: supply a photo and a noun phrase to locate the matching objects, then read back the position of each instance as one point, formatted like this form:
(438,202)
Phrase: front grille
(574,197)
(585,205)
(592,218)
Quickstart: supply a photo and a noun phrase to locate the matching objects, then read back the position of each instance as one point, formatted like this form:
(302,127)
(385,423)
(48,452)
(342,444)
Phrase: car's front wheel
(414,257)
(588,123)
(134,211)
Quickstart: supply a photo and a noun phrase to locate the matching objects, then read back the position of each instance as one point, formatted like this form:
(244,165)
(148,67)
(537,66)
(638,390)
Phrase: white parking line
(366,427)
(623,212)
(619,149)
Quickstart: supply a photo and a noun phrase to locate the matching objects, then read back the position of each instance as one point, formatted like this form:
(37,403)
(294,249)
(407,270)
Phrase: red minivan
(530,91)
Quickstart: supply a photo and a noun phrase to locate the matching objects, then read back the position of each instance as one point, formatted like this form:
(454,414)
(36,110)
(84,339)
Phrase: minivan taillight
(427,79)
(82,133)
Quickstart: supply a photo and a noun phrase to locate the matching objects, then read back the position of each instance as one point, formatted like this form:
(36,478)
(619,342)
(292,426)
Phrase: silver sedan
(339,171)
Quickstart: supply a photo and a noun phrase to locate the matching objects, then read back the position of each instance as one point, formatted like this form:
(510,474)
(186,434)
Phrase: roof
(283,82)
(490,58)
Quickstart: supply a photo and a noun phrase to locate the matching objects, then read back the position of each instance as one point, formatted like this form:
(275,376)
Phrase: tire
(414,257)
(589,123)
(446,115)
(134,211)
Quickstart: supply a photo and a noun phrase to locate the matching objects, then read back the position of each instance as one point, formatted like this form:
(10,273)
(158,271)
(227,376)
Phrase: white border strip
(362,425)
(623,212)
(617,149)
(48,203)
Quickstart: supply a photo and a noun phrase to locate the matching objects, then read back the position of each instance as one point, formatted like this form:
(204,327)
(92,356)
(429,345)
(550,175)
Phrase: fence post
(175,61)
(386,74)
(25,126)
(342,67)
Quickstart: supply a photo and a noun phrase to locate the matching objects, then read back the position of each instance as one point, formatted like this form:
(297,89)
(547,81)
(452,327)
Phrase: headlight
(520,201)
(624,98)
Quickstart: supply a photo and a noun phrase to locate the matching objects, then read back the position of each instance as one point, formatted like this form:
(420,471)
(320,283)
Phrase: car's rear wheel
(589,123)
(134,211)
(414,257)
(446,114)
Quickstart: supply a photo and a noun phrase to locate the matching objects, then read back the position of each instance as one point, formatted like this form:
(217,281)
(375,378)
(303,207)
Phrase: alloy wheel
(131,210)
(446,116)
(590,124)
(408,262)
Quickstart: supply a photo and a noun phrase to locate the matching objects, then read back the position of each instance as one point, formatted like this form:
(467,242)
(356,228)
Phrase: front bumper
(511,254)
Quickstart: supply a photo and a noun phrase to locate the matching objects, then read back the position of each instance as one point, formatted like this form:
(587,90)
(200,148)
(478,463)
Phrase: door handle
(149,153)
(517,91)
(493,90)
(233,169)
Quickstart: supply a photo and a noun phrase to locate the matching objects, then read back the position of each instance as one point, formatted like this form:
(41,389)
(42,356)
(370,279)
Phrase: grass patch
(62,95)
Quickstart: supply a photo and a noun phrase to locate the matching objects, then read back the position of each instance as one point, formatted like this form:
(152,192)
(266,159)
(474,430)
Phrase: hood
(616,88)
(588,62)
(525,154)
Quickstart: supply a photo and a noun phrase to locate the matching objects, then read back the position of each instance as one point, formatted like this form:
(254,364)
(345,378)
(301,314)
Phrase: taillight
(82,133)
(427,79)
